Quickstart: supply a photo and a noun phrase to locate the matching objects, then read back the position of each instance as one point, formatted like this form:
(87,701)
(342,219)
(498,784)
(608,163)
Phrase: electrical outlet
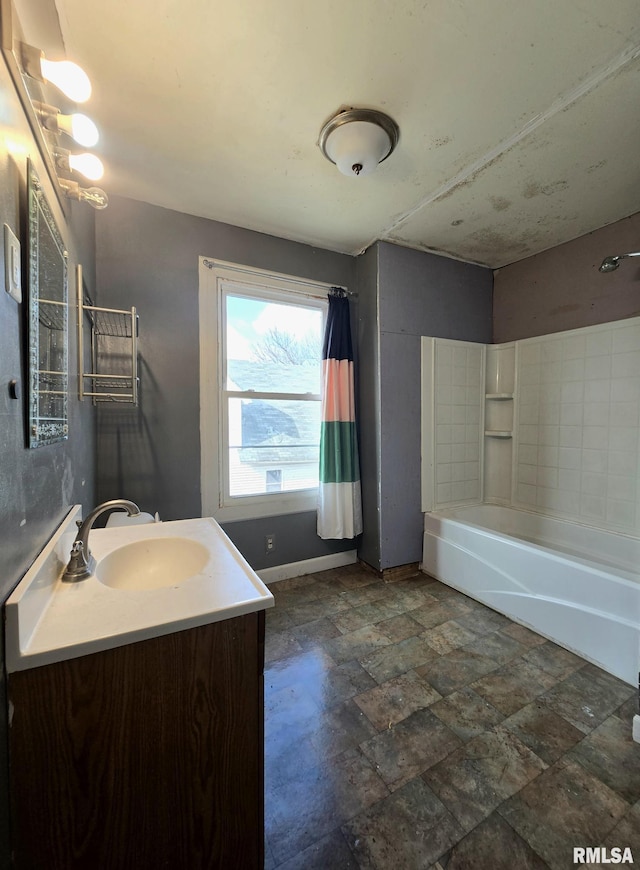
(269,543)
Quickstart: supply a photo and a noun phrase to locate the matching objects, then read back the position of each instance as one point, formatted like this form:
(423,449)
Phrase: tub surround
(499,414)
(551,537)
(452,422)
(577,425)
(50,621)
(560,422)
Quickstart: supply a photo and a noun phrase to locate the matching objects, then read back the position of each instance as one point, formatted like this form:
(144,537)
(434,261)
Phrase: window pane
(266,437)
(273,347)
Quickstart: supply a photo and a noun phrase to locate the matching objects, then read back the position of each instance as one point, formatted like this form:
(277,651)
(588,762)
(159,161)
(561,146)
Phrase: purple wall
(562,288)
(368,407)
(147,256)
(412,293)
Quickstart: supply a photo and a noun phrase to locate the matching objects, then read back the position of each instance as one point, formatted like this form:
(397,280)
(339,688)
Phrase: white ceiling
(519,119)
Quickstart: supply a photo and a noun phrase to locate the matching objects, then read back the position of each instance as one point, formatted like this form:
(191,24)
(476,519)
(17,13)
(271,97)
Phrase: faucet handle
(78,567)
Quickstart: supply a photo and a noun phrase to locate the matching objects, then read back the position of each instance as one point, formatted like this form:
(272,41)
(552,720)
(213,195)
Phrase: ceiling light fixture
(356,140)
(80,128)
(67,76)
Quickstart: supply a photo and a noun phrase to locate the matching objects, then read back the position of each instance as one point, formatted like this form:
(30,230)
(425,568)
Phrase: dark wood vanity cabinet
(145,756)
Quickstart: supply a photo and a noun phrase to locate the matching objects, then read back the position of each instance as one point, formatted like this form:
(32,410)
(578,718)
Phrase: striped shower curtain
(339,505)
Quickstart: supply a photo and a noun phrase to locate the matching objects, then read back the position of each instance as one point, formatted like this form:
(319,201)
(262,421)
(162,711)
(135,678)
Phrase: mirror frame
(48,283)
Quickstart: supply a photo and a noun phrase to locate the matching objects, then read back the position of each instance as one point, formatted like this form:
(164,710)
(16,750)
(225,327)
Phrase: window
(261,364)
(274,480)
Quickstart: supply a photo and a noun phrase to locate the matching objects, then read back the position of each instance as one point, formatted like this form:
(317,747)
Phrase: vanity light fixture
(86,164)
(67,76)
(34,76)
(94,196)
(77,126)
(356,140)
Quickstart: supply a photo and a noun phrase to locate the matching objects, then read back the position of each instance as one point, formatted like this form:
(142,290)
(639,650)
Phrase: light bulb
(77,126)
(80,128)
(87,164)
(67,77)
(95,197)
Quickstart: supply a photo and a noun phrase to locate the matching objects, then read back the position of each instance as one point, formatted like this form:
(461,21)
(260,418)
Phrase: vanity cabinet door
(145,756)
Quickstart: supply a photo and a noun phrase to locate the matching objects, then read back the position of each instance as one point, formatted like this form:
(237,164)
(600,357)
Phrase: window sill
(252,508)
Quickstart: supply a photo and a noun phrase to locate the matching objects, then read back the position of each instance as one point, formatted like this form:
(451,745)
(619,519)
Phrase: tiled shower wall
(575,451)
(577,447)
(456,392)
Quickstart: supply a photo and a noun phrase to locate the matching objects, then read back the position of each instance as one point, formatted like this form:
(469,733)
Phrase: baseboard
(400,572)
(389,575)
(307,566)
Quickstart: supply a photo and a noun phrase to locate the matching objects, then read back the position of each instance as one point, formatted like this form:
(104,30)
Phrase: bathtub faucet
(81,562)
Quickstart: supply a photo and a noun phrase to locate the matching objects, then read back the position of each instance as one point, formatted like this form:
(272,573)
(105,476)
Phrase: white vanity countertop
(50,621)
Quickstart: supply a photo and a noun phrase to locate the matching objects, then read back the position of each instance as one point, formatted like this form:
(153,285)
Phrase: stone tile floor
(408,726)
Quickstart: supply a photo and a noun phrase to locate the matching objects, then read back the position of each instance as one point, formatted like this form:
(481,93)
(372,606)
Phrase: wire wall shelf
(112,352)
(114,323)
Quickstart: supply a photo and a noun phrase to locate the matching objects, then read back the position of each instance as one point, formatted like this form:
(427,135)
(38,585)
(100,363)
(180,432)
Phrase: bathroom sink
(152,563)
(146,580)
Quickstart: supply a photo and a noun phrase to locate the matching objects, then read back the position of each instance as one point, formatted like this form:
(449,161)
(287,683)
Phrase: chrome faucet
(81,563)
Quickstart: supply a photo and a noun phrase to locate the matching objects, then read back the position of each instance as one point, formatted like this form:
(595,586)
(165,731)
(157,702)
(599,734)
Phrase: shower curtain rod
(314,284)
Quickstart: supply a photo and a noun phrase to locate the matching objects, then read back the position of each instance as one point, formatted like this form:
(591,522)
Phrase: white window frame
(214,453)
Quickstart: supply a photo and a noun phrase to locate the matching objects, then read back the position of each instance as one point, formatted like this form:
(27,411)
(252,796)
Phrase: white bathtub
(576,585)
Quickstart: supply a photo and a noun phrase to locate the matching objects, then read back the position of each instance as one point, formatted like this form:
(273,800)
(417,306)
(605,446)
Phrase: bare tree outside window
(280,346)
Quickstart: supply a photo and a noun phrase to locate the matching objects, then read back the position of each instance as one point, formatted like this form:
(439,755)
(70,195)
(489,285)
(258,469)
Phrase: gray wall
(368,407)
(148,257)
(417,294)
(36,486)
(562,288)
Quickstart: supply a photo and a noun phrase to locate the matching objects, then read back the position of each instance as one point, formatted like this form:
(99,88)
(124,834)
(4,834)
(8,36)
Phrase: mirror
(48,316)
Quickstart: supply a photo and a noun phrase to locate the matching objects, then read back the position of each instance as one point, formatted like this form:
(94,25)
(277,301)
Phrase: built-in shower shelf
(498,433)
(499,396)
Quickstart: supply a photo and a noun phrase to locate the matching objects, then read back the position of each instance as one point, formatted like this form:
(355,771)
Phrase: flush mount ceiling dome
(356,140)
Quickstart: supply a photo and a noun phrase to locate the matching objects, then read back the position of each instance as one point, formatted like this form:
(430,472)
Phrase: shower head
(610,264)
